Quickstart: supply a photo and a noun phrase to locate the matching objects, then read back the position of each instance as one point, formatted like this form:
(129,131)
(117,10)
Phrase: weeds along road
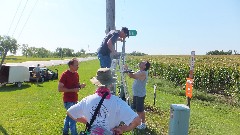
(47,63)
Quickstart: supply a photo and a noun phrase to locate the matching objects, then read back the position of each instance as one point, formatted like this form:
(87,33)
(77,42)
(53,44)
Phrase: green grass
(39,110)
(17,59)
(205,117)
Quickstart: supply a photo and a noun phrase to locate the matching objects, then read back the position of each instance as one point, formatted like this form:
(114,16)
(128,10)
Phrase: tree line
(9,44)
(217,52)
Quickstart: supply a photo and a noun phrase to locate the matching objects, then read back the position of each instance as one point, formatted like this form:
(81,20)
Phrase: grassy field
(39,110)
(15,59)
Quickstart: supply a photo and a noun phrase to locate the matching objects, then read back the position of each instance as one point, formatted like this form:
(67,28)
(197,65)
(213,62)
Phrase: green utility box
(179,119)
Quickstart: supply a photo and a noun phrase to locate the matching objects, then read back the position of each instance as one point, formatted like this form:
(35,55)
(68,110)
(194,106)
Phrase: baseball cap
(126,31)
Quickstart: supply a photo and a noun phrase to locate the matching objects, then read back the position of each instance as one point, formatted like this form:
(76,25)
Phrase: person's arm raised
(138,75)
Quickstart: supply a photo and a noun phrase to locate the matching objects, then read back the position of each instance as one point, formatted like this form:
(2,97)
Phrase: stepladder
(117,67)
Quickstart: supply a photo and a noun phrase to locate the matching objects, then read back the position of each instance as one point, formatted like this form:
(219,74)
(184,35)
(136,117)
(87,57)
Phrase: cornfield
(212,74)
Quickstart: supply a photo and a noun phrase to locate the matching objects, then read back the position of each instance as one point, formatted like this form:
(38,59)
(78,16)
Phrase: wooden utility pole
(110,15)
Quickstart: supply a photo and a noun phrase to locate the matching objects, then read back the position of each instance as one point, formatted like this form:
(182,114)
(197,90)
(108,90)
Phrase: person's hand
(117,131)
(76,89)
(125,67)
(83,85)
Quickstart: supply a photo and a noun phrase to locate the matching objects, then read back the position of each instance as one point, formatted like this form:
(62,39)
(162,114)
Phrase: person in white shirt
(112,112)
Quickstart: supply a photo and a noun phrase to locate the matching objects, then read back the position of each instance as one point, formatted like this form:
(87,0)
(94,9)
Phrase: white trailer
(14,74)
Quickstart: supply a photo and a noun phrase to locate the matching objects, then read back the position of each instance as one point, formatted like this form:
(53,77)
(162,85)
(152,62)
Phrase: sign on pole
(132,32)
(189,82)
(189,87)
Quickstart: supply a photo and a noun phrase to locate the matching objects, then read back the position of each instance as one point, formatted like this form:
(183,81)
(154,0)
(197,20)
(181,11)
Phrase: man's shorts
(138,103)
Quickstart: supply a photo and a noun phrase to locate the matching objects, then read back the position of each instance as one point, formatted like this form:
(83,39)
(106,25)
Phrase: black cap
(126,31)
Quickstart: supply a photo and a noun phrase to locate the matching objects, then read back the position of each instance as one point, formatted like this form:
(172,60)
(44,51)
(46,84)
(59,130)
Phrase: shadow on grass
(146,131)
(9,88)
(3,130)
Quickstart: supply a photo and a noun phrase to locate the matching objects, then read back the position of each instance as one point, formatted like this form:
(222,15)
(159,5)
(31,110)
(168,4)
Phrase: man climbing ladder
(107,46)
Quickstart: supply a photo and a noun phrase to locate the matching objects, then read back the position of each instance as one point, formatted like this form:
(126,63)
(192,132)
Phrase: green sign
(132,32)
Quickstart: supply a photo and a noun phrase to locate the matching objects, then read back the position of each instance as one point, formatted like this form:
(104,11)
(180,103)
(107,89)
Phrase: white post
(110,15)
(154,89)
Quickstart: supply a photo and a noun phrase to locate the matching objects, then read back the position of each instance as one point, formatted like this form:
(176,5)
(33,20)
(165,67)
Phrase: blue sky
(172,27)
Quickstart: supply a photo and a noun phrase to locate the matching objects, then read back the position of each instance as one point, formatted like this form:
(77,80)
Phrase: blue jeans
(105,61)
(69,122)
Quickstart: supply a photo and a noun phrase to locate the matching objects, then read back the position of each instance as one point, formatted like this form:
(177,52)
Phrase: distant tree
(42,52)
(80,53)
(59,52)
(32,51)
(235,52)
(64,52)
(25,50)
(135,53)
(8,43)
(216,52)
(92,54)
(68,52)
(83,51)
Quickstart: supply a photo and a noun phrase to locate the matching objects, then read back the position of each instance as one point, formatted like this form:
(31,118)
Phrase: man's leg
(66,125)
(108,61)
(66,120)
(105,61)
(37,81)
(142,116)
(69,122)
(73,127)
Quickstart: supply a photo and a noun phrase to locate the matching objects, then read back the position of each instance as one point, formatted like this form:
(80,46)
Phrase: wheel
(2,84)
(19,84)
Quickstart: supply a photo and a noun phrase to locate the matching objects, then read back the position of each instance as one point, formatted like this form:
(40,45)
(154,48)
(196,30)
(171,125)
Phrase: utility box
(179,119)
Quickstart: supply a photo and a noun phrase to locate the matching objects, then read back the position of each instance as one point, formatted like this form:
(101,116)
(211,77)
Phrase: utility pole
(110,15)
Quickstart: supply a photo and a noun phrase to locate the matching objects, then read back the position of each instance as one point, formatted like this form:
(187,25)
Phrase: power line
(27,19)
(20,18)
(14,17)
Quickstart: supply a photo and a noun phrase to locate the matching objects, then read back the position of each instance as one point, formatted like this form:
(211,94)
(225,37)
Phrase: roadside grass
(206,117)
(39,110)
(17,59)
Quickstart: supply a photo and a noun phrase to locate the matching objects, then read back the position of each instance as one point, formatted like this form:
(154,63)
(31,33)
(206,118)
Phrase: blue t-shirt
(104,50)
